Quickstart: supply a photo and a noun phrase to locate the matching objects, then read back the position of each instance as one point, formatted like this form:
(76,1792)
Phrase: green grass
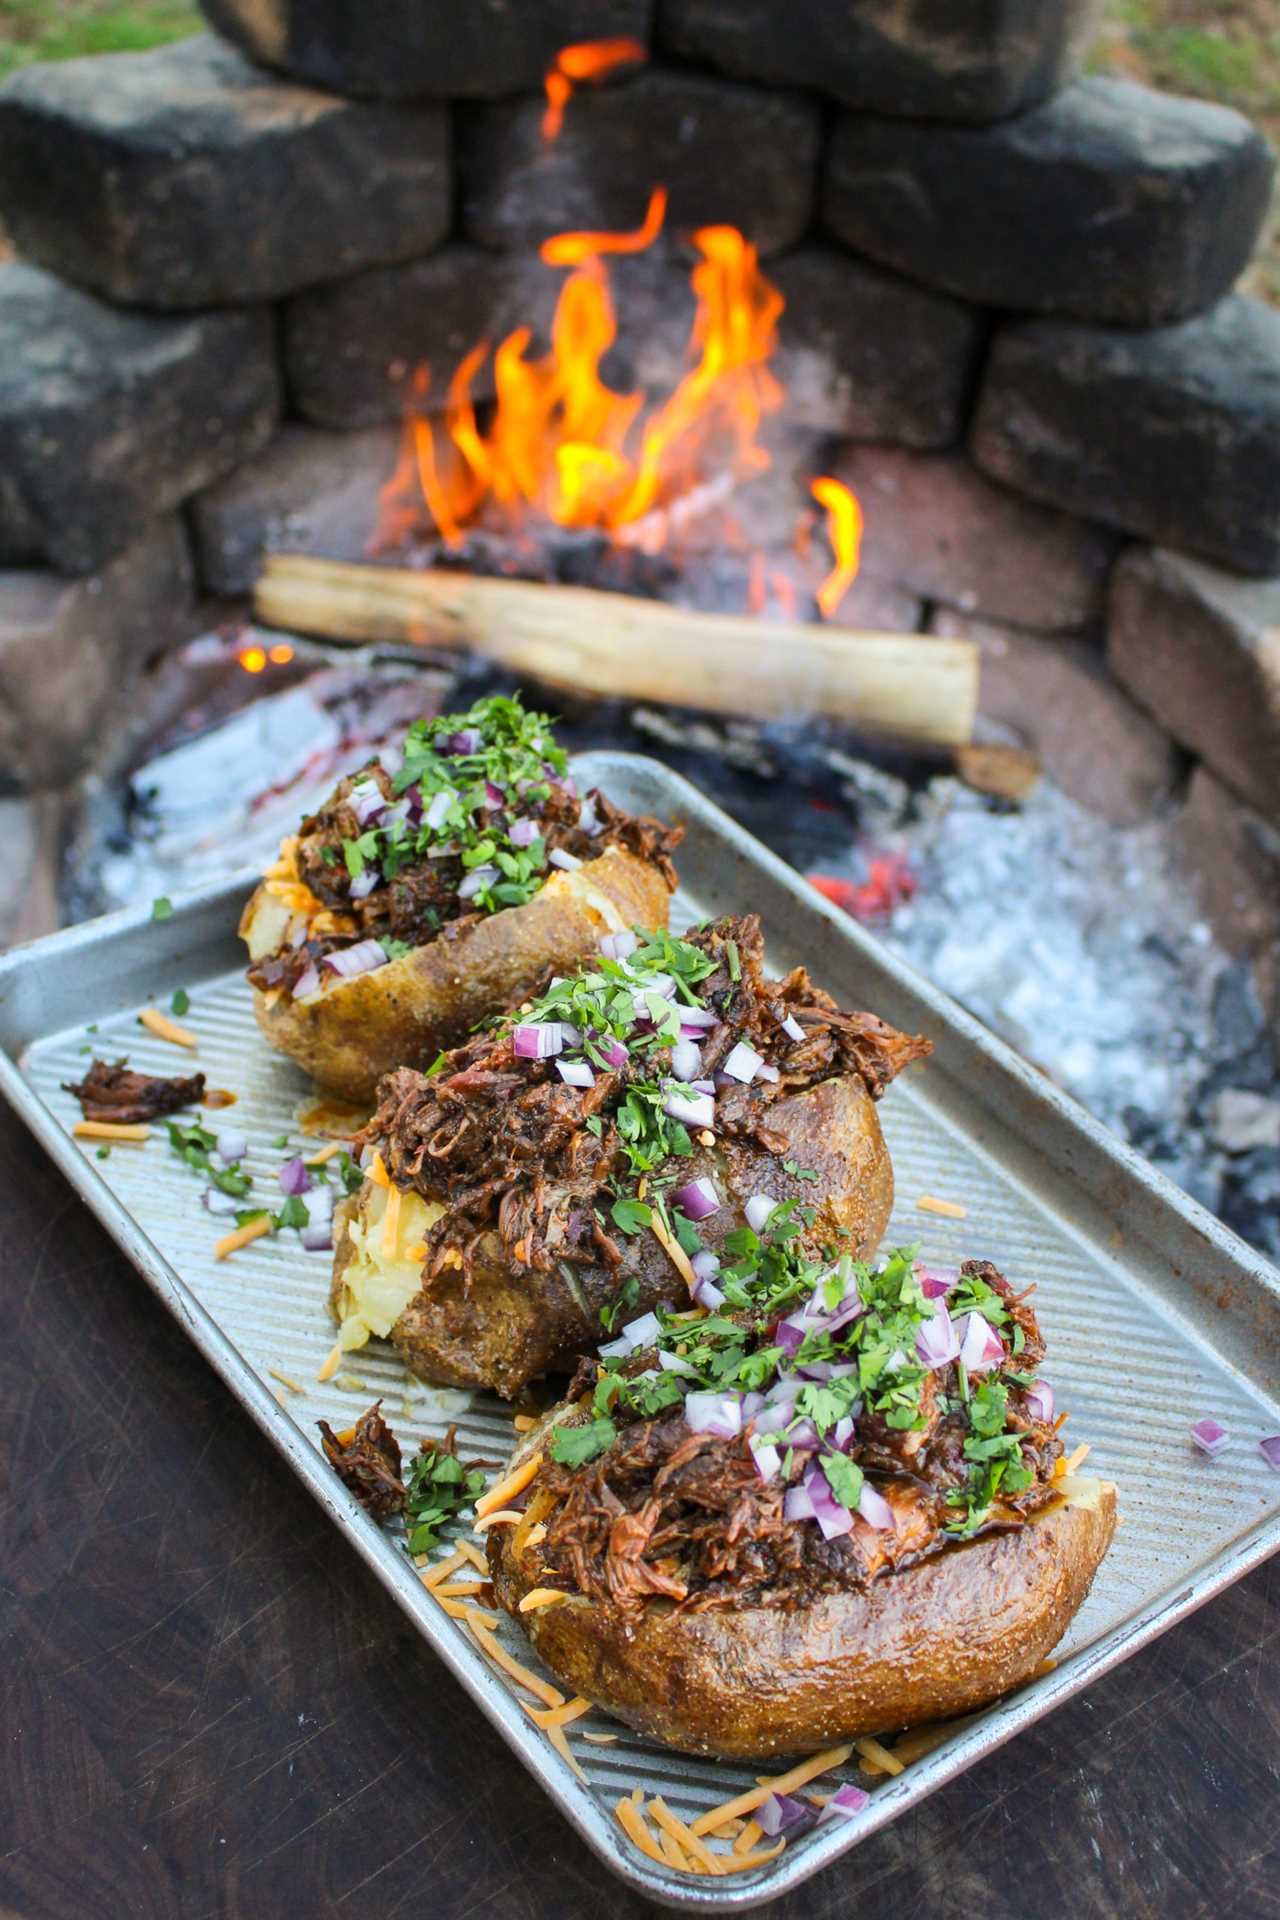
(62,29)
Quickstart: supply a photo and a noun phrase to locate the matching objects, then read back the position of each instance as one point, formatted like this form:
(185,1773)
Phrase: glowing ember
(563,444)
(844,530)
(256,659)
(889,882)
(588,60)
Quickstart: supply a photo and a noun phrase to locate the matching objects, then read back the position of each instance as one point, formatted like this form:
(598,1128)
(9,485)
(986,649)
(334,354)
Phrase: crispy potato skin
(403,1013)
(515,1324)
(933,1640)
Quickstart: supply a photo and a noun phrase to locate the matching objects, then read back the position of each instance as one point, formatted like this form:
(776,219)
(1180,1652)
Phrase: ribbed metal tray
(1154,1314)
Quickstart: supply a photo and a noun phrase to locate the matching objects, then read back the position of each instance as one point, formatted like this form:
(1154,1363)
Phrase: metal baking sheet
(1155,1315)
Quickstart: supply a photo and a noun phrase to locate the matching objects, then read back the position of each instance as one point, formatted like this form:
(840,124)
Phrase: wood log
(911,687)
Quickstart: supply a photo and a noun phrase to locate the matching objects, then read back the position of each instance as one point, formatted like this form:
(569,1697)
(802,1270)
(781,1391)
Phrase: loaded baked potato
(833,1506)
(436,886)
(561,1170)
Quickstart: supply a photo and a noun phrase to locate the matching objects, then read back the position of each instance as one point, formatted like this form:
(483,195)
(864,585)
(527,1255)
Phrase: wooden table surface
(211,1709)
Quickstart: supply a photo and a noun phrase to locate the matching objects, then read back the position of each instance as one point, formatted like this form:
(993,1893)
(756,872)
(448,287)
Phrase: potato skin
(516,1324)
(925,1643)
(402,1014)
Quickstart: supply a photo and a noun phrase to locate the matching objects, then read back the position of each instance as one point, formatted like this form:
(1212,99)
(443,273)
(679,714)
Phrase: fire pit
(895,349)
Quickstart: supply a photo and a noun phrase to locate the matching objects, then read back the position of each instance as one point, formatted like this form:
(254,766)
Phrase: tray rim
(578,1803)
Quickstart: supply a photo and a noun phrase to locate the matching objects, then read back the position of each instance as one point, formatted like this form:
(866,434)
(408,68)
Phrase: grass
(62,29)
(1222,50)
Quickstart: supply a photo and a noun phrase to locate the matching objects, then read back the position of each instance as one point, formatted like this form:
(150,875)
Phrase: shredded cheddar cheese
(166,1029)
(132,1133)
(541,1597)
(949,1209)
(685,1837)
(633,1824)
(377,1172)
(391,1223)
(252,1230)
(560,1741)
(551,1696)
(325,1153)
(751,1832)
(332,1363)
(443,1568)
(558,1716)
(754,1797)
(506,1489)
(674,1252)
(523,1422)
(285,1381)
(504,1517)
(878,1758)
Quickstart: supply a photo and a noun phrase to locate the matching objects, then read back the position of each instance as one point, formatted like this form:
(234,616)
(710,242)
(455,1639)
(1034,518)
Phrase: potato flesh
(378,1284)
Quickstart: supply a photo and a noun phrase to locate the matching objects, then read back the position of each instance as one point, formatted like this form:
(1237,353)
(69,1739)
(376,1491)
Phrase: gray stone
(1108,203)
(1242,1121)
(310,492)
(1201,650)
(71,651)
(1233,857)
(107,419)
(726,154)
(185,177)
(869,355)
(1056,696)
(397,49)
(31,830)
(351,349)
(929,59)
(939,528)
(1172,435)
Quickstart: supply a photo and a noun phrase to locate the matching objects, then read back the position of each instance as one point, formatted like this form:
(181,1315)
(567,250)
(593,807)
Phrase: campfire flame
(588,60)
(560,441)
(844,531)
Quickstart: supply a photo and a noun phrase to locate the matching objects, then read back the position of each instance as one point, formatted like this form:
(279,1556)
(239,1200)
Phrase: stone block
(925,59)
(1108,202)
(866,354)
(401,49)
(1172,435)
(310,492)
(31,829)
(185,177)
(1200,649)
(936,526)
(725,153)
(71,651)
(1056,695)
(1233,857)
(107,419)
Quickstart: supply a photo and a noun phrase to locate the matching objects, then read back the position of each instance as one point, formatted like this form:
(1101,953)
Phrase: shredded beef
(119,1093)
(367,1461)
(505,1142)
(685,1514)
(421,902)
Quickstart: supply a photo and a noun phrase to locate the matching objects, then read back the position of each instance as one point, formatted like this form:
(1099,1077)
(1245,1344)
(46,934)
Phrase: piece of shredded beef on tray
(119,1093)
(366,1458)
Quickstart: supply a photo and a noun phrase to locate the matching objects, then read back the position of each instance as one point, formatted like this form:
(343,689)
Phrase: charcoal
(925,59)
(1172,435)
(185,177)
(108,419)
(1108,203)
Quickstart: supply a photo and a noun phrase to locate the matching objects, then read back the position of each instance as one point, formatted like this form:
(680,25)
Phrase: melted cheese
(377,1285)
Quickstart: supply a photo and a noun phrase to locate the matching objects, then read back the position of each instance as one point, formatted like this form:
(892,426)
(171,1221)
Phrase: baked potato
(846,1512)
(586,1161)
(439,883)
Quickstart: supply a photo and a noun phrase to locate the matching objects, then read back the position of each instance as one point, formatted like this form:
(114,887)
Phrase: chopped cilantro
(631,1216)
(735,963)
(798,1172)
(574,1446)
(103,1153)
(281,1140)
(844,1477)
(161,908)
(437,1487)
(181,1001)
(294,1212)
(625,1298)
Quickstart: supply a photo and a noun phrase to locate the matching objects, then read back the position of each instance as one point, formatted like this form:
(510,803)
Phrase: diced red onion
(802,1433)
(705,1263)
(476,881)
(752,1404)
(797,1505)
(785,1390)
(362,887)
(844,1803)
(614,1349)
(322,1202)
(363,957)
(790,1334)
(703,1086)
(767,1458)
(232,1145)
(698,1017)
(782,1813)
(618,946)
(443,850)
(707,1294)
(1270,1449)
(643,1331)
(832,1518)
(588,818)
(317,1236)
(765,1072)
(366,801)
(614,1052)
(523,833)
(494,797)
(293,1177)
(692,1110)
(299,934)
(792,1028)
(674,1363)
(686,1061)
(936,1282)
(307,983)
(1210,1436)
(698,1198)
(1040,1401)
(663,985)
(875,1509)
(567,862)
(842,1433)
(717,1413)
(217,1202)
(772,1419)
(937,1342)
(576,1073)
(467,740)
(981,1347)
(758,1209)
(743,1063)
(437,809)
(538,1040)
(392,758)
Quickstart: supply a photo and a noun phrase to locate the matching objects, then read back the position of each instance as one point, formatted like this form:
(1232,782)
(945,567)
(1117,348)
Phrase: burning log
(912,687)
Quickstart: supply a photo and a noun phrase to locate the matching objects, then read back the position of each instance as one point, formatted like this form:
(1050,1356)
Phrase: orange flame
(586,60)
(563,443)
(844,531)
